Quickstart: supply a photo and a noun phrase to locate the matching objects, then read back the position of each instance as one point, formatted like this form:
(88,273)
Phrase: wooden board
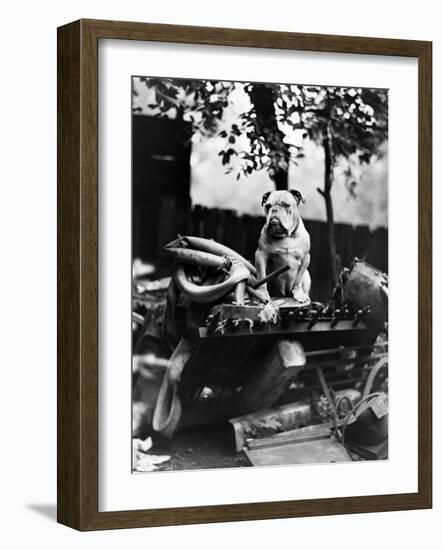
(320,451)
(298,328)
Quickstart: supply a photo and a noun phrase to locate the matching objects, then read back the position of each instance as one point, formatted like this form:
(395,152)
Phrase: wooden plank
(378,249)
(228,229)
(297,328)
(320,451)
(272,374)
(197,221)
(220,226)
(299,435)
(210,223)
(284,417)
(252,38)
(68,276)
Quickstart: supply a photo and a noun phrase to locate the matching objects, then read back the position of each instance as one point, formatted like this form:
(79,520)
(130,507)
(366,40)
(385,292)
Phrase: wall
(28,279)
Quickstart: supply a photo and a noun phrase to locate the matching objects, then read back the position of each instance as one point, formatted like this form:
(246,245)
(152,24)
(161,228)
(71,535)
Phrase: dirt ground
(200,448)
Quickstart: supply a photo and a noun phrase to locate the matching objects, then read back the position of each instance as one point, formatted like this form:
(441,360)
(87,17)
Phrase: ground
(200,448)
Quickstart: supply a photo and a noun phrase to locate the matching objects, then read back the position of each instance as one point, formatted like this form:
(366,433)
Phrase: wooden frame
(77,480)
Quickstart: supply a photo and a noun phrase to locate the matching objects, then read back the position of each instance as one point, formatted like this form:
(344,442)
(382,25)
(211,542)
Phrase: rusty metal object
(198,258)
(382,363)
(209,293)
(319,449)
(239,353)
(365,289)
(167,411)
(254,294)
(210,246)
(293,422)
(239,293)
(307,445)
(268,422)
(327,392)
(290,318)
(339,314)
(296,435)
(365,428)
(137,318)
(271,276)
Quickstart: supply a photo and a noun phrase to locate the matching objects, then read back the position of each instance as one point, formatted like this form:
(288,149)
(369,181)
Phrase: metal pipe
(275,273)
(256,295)
(210,246)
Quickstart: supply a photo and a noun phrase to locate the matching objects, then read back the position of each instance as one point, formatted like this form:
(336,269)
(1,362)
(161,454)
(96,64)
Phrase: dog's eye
(267,207)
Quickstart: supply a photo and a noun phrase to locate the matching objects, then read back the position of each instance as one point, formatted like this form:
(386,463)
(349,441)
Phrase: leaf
(226,155)
(142,445)
(149,463)
(141,460)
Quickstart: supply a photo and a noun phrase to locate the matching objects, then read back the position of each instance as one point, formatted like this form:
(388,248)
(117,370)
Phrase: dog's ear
(297,196)
(265,198)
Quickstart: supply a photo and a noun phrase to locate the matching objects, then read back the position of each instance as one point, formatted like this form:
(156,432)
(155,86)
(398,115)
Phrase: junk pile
(224,351)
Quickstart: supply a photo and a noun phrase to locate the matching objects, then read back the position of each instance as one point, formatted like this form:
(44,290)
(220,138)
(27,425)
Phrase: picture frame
(78,281)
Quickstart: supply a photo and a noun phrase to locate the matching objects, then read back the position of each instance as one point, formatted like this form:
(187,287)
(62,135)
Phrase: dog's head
(282,214)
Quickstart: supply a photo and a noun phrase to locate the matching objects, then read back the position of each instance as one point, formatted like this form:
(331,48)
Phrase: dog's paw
(300,296)
(264,292)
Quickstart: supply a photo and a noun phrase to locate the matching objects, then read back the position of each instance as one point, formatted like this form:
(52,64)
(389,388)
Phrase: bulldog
(284,240)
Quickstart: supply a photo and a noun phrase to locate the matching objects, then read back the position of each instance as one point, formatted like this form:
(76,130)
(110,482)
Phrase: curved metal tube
(197,257)
(212,247)
(209,293)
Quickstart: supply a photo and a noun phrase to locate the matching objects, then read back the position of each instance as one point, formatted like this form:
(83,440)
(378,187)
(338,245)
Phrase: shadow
(48,511)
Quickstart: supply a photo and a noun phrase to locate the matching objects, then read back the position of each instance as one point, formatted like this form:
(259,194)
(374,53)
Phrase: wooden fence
(241,232)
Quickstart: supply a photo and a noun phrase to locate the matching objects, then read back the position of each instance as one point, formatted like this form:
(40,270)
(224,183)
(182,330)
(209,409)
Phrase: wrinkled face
(281,209)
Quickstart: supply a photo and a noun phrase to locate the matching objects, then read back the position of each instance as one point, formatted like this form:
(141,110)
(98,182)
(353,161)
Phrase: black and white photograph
(259,274)
(218,275)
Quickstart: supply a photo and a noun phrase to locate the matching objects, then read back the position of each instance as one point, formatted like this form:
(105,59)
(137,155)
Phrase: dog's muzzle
(276,228)
(279,222)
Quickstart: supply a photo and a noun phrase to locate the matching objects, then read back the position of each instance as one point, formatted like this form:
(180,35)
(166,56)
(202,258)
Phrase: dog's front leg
(260,265)
(298,292)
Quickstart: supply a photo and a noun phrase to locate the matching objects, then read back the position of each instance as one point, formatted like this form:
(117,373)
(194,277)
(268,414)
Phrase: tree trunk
(262,97)
(281,180)
(334,260)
